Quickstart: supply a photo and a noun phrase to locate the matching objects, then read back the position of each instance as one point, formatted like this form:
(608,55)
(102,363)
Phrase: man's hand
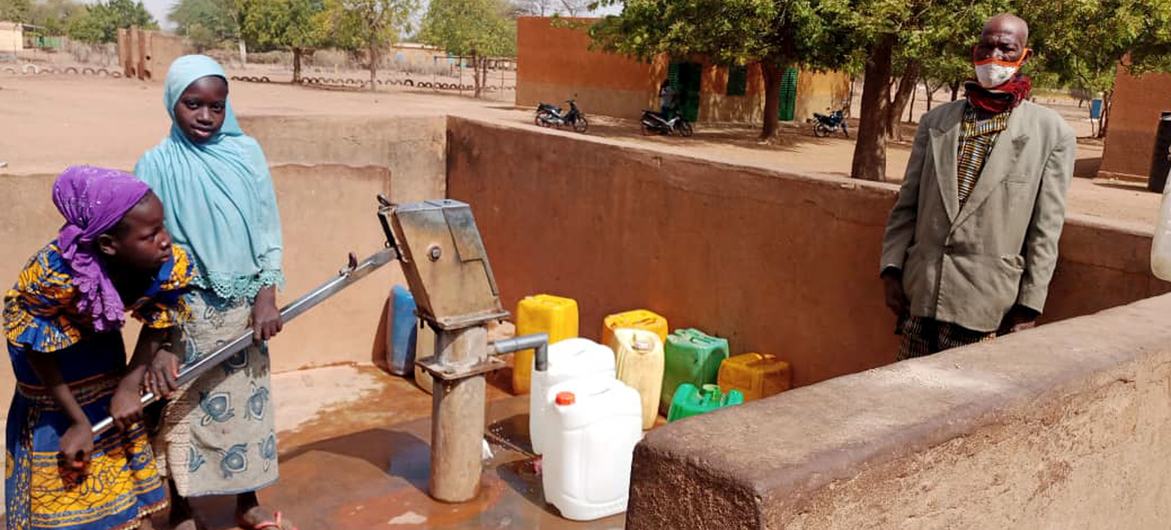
(77,444)
(162,375)
(1019,318)
(126,406)
(896,298)
(266,318)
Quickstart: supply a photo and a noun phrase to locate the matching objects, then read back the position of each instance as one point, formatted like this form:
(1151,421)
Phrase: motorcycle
(825,125)
(656,122)
(549,115)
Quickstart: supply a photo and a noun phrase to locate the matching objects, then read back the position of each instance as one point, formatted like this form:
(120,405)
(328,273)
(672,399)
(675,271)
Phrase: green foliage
(100,22)
(369,24)
(207,23)
(283,24)
(805,32)
(1082,42)
(14,10)
(470,27)
(54,16)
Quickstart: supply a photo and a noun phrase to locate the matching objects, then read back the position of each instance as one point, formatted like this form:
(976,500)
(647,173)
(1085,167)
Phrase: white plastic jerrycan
(597,421)
(1161,244)
(568,359)
(640,365)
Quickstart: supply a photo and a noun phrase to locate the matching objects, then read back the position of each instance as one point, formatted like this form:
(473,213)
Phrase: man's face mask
(992,73)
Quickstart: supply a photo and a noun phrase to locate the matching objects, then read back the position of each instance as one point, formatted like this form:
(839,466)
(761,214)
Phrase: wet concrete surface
(364,464)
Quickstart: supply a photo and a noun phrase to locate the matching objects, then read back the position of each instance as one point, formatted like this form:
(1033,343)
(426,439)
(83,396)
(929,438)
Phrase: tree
(1085,43)
(295,25)
(903,34)
(547,8)
(476,28)
(55,16)
(206,23)
(14,10)
(536,8)
(370,25)
(775,34)
(100,22)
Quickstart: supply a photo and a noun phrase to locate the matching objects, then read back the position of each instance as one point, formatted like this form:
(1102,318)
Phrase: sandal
(276,524)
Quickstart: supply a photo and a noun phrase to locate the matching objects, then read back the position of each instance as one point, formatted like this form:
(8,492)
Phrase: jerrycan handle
(710,393)
(698,337)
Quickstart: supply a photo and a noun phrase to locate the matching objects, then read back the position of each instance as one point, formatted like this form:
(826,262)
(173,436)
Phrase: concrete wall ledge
(1064,426)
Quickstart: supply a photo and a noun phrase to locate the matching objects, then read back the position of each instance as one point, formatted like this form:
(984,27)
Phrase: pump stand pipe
(458,405)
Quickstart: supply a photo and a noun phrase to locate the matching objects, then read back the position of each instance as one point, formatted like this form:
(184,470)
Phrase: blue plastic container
(402,332)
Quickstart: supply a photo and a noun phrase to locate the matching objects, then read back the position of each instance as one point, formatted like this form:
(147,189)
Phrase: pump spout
(536,341)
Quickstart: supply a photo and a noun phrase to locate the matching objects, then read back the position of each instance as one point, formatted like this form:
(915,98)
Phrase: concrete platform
(355,455)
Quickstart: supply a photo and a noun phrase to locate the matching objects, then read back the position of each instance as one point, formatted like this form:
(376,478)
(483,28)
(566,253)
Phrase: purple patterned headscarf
(93,200)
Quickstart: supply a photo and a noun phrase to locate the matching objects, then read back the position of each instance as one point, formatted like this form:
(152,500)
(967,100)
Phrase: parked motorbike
(656,122)
(549,115)
(825,125)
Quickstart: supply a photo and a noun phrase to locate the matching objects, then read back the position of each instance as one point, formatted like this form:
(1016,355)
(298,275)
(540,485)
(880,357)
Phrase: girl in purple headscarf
(63,320)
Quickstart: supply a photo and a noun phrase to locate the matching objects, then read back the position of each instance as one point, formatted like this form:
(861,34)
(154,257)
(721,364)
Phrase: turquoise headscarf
(218,196)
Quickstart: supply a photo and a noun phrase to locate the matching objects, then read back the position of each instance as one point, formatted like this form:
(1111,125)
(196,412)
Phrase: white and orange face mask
(992,73)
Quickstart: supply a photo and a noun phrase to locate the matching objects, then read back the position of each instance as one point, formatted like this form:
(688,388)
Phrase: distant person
(63,321)
(971,244)
(218,434)
(668,99)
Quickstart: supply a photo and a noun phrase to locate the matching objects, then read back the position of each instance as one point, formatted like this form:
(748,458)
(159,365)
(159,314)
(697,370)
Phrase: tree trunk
(911,106)
(479,87)
(243,53)
(907,83)
(848,111)
(296,66)
(1104,121)
(373,62)
(955,90)
(484,77)
(772,98)
(870,150)
(930,94)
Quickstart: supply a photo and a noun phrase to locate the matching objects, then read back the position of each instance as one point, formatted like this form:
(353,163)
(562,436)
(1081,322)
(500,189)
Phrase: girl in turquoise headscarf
(217,434)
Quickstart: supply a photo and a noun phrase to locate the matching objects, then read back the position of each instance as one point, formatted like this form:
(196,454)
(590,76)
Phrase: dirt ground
(358,462)
(51,122)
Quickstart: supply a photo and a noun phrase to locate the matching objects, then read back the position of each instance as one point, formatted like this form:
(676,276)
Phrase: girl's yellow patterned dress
(121,483)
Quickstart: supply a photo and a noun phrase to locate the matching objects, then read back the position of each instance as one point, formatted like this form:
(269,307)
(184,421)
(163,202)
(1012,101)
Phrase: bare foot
(258,515)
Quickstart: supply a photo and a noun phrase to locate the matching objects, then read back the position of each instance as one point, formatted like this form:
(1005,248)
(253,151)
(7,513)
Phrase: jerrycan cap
(565,398)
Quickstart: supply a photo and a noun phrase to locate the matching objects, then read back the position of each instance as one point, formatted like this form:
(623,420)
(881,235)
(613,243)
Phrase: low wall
(1064,426)
(412,148)
(326,211)
(775,262)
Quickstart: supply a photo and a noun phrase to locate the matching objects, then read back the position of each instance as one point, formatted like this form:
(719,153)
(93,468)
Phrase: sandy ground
(50,122)
(343,466)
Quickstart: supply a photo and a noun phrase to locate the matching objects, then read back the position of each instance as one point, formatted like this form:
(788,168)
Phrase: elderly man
(971,243)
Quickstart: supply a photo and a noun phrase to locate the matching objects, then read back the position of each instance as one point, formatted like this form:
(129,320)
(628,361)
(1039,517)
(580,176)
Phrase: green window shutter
(788,94)
(737,80)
